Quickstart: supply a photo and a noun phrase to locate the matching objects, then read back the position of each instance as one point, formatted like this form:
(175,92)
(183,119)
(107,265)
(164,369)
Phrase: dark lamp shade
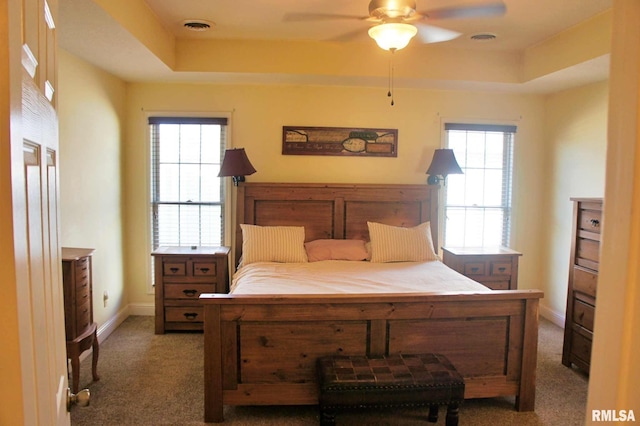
(443,163)
(236,163)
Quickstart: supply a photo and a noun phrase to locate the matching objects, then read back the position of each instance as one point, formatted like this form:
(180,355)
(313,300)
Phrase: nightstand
(497,267)
(181,275)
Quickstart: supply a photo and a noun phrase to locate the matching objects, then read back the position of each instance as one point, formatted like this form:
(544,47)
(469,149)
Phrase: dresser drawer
(587,253)
(583,314)
(83,316)
(82,264)
(501,269)
(187,291)
(82,286)
(184,314)
(474,268)
(204,269)
(581,347)
(82,297)
(590,220)
(585,281)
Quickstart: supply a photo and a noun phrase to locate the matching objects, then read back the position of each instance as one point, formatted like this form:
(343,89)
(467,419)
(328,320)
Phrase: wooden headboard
(339,211)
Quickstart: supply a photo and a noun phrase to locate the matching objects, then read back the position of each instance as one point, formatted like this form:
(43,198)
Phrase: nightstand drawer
(184,314)
(204,269)
(501,268)
(174,269)
(187,291)
(474,268)
(496,285)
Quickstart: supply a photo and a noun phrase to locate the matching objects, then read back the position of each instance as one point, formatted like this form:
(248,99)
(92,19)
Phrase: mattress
(350,277)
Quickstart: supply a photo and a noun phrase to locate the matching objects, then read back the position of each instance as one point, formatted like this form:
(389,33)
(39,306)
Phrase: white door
(34,164)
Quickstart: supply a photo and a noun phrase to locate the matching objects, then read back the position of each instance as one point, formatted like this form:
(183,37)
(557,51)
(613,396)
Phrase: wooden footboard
(262,350)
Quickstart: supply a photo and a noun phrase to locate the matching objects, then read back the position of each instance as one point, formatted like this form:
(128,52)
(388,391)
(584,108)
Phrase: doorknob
(81,398)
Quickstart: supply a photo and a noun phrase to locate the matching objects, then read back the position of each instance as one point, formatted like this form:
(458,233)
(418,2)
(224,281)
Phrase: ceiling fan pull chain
(391,77)
(389,81)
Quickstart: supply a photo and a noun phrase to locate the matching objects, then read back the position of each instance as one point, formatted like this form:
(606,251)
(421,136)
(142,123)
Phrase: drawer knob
(189,292)
(174,270)
(502,269)
(190,315)
(594,223)
(475,269)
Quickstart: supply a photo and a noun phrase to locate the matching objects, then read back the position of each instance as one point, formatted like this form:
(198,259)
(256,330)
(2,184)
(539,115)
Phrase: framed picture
(339,141)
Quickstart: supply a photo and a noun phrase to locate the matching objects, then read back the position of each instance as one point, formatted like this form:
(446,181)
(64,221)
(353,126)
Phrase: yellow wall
(575,152)
(91,112)
(259,112)
(559,153)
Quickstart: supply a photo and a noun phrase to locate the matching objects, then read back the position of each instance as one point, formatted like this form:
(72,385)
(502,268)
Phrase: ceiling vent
(197,25)
(483,37)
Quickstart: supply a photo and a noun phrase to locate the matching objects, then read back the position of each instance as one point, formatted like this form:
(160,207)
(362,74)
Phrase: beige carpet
(157,380)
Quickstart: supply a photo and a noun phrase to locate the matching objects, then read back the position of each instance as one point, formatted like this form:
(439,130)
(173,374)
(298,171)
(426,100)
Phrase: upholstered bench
(389,381)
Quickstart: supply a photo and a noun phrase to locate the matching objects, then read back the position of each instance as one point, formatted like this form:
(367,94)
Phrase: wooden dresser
(496,268)
(583,280)
(181,275)
(80,329)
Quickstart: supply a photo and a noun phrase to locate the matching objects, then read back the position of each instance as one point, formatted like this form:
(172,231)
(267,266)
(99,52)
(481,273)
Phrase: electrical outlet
(105,297)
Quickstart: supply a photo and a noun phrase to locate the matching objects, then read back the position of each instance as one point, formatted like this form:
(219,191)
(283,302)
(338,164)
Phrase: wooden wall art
(339,141)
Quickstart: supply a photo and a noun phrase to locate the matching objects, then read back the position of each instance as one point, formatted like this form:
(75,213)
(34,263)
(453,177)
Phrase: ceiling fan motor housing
(381,9)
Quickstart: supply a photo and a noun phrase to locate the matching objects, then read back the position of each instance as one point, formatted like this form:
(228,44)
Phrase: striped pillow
(398,244)
(273,244)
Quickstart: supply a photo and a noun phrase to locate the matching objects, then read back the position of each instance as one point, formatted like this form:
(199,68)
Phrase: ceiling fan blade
(305,17)
(431,34)
(349,36)
(461,12)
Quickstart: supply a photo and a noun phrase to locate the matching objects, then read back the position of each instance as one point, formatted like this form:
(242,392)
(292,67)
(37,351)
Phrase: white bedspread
(339,276)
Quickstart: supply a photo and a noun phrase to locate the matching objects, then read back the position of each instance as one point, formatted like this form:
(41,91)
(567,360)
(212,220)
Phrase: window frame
(507,168)
(222,118)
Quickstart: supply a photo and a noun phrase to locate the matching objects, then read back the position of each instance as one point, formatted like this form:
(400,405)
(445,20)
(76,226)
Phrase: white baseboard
(142,309)
(555,317)
(145,309)
(109,326)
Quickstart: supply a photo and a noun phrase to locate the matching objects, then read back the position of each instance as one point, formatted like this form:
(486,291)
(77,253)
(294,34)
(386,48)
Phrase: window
(187,197)
(478,202)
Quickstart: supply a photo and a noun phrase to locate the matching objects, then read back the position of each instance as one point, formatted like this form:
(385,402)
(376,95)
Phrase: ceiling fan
(398,21)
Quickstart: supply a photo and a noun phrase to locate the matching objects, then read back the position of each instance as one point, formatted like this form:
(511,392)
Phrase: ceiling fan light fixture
(392,36)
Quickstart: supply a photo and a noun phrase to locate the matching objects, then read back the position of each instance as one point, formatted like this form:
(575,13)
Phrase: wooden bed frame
(262,350)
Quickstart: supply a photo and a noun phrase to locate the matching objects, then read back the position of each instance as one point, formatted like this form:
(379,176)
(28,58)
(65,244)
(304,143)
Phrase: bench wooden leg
(452,414)
(327,417)
(433,414)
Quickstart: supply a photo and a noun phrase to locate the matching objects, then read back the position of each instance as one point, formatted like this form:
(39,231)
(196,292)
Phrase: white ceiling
(88,32)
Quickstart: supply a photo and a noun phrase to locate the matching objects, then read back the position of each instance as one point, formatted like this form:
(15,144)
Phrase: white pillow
(398,244)
(273,244)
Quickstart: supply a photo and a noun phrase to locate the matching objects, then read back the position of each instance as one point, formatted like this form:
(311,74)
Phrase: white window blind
(187,197)
(478,202)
